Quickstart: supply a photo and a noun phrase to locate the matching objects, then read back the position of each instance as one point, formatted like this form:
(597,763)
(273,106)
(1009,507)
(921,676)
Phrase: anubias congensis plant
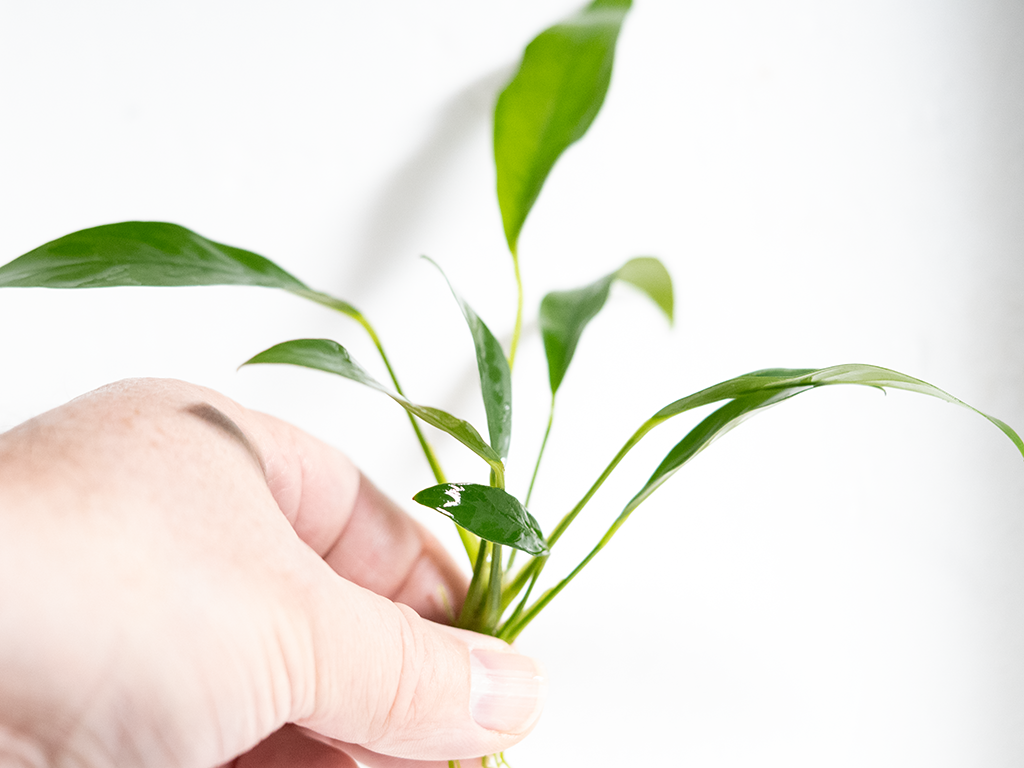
(548,105)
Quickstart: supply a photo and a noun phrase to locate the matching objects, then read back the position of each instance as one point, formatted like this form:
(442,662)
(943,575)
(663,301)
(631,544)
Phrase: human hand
(187,583)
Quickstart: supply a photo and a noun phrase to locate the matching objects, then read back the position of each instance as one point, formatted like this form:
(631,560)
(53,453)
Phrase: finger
(364,536)
(290,748)
(377,760)
(377,674)
(386,551)
(399,685)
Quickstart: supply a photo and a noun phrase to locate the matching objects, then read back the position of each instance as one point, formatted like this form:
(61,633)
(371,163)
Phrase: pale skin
(188,584)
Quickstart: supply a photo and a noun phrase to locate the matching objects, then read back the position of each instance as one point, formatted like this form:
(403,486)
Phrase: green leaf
(760,389)
(564,314)
(490,513)
(141,253)
(650,276)
(151,253)
(495,376)
(711,428)
(329,356)
(747,395)
(550,103)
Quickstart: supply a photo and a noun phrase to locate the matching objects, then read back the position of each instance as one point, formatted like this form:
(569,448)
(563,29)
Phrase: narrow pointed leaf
(329,356)
(710,429)
(758,390)
(747,384)
(495,376)
(853,373)
(564,314)
(747,395)
(490,513)
(550,103)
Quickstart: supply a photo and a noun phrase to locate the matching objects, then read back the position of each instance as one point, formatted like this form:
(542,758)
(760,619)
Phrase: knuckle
(401,708)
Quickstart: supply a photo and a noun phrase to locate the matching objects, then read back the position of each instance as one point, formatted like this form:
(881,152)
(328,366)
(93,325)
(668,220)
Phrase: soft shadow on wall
(399,209)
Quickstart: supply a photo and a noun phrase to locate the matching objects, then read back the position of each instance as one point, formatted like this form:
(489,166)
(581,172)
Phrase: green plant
(549,105)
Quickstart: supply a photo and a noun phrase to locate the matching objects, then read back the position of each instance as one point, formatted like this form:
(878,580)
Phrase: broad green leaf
(141,253)
(760,389)
(329,356)
(151,253)
(550,103)
(495,376)
(564,314)
(490,513)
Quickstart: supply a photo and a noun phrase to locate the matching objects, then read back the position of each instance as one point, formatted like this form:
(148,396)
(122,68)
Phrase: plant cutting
(549,105)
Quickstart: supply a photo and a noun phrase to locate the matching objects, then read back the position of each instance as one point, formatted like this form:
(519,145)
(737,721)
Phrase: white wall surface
(840,582)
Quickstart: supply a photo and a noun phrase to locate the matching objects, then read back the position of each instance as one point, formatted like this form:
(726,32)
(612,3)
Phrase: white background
(840,582)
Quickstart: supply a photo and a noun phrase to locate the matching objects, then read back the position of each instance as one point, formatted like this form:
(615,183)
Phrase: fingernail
(506,691)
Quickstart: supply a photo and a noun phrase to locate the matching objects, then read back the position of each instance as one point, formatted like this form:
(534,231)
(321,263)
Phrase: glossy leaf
(564,314)
(760,389)
(141,253)
(550,103)
(495,376)
(151,253)
(490,513)
(329,356)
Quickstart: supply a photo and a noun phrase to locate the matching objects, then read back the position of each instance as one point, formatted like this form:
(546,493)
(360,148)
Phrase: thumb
(394,683)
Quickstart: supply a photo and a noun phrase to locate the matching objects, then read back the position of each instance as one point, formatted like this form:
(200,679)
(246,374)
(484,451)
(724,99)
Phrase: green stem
(566,521)
(469,617)
(428,451)
(492,613)
(469,540)
(514,587)
(517,329)
(533,570)
(535,566)
(347,309)
(511,621)
(510,633)
(540,453)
